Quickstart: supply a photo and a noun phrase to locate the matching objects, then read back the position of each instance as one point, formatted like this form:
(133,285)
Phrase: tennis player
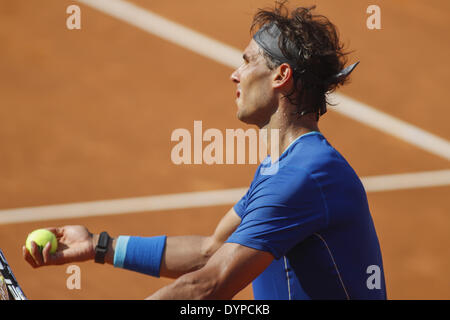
(303,231)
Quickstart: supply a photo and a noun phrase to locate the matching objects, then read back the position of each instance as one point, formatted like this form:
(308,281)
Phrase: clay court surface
(87,115)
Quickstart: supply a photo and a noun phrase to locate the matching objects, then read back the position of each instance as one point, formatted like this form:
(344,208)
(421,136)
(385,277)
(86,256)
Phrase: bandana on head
(268,38)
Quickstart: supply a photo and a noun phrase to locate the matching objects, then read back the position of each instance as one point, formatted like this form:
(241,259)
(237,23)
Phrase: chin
(248,114)
(246,118)
(241,115)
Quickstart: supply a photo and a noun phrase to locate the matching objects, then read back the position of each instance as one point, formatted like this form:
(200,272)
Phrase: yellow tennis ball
(41,237)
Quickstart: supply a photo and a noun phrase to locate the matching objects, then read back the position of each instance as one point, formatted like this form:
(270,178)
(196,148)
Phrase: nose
(235,76)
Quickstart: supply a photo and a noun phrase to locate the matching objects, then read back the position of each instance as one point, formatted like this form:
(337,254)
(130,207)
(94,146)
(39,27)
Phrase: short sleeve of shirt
(239,207)
(279,211)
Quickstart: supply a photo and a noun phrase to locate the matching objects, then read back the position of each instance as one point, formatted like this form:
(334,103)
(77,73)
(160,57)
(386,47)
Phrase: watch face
(103,240)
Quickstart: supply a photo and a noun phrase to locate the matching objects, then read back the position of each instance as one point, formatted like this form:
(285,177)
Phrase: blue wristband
(140,254)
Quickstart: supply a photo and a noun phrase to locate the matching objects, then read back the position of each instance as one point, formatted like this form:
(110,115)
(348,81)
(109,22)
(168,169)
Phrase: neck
(289,126)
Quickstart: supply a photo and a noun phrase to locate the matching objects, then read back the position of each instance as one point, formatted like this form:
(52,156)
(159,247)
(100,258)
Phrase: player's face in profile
(255,97)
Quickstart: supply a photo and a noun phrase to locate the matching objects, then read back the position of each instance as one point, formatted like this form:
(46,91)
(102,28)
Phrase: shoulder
(312,152)
(290,186)
(324,164)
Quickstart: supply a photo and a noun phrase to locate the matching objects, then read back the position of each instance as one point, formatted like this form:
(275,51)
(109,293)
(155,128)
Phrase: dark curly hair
(321,54)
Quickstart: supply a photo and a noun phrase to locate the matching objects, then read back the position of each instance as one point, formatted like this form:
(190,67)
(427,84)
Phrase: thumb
(58,232)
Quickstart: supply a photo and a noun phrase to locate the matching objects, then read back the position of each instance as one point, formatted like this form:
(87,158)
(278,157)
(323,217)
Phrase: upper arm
(232,266)
(227,225)
(285,212)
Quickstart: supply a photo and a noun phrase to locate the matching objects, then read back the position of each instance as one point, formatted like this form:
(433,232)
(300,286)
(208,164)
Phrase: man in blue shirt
(302,231)
(313,217)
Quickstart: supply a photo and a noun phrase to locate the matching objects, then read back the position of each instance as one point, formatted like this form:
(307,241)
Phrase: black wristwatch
(102,247)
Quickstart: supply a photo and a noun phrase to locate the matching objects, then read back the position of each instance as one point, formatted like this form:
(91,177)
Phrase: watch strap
(102,247)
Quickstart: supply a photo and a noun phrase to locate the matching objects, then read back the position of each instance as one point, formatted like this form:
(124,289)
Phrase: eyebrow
(249,57)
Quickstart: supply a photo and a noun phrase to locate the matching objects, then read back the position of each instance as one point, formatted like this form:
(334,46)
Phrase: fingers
(33,256)
(71,247)
(28,258)
(53,258)
(36,258)
(36,253)
(46,253)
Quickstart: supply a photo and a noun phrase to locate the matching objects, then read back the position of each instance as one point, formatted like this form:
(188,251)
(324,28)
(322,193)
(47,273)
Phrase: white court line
(168,30)
(388,124)
(232,57)
(122,206)
(199,199)
(407,181)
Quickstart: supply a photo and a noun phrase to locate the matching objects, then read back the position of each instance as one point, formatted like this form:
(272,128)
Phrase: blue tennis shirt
(312,214)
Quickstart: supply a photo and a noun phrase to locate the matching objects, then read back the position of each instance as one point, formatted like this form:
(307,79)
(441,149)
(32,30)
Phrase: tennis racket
(9,287)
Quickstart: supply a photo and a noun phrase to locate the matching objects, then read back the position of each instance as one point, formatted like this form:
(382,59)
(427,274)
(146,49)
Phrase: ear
(282,76)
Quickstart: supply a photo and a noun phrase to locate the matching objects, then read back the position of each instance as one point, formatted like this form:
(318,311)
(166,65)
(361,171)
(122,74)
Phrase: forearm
(228,271)
(182,254)
(188,287)
(173,257)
